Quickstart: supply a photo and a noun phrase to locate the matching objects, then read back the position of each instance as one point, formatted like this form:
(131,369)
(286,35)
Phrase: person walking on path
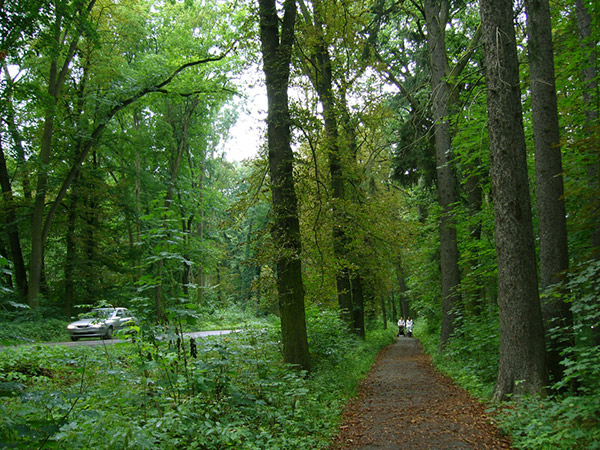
(409,326)
(401,325)
(404,403)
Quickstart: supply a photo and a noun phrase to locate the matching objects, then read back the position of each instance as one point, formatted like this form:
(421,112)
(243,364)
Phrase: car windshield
(100,313)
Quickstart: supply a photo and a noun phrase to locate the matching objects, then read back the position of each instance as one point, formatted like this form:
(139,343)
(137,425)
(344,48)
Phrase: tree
(590,105)
(276,49)
(436,13)
(522,352)
(72,31)
(320,67)
(19,21)
(554,255)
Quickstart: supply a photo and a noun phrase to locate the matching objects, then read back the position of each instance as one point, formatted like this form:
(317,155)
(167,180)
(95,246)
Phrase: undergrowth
(223,392)
(28,326)
(568,417)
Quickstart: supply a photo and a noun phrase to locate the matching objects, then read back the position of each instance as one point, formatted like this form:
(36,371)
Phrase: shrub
(27,326)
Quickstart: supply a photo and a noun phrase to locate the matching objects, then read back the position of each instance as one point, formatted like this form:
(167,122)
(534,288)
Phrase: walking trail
(404,403)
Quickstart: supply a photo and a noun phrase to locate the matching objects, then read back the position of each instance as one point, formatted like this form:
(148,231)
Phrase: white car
(100,322)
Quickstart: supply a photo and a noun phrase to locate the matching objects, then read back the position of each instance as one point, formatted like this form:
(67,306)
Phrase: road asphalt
(95,341)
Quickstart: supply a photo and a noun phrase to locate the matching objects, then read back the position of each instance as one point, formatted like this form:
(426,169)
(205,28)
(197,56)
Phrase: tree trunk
(70,259)
(522,367)
(323,85)
(186,269)
(358,306)
(474,301)
(402,300)
(276,52)
(351,145)
(437,17)
(56,78)
(90,216)
(201,283)
(10,222)
(590,105)
(554,257)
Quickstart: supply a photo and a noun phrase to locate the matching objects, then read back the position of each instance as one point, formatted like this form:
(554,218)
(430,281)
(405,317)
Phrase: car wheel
(109,333)
(74,338)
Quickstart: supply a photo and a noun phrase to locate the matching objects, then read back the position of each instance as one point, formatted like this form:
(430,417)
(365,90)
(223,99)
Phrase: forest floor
(404,403)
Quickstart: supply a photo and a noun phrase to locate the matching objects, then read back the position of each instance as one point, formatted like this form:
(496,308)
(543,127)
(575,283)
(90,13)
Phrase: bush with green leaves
(24,325)
(563,422)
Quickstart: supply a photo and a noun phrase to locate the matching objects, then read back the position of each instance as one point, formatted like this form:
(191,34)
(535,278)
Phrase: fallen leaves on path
(404,403)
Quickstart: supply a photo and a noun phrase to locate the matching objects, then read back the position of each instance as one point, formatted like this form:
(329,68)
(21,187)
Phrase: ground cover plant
(29,326)
(222,392)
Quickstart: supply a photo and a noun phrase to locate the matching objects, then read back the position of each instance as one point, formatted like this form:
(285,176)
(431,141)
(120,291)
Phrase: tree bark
(554,256)
(522,367)
(71,256)
(590,105)
(276,50)
(321,78)
(358,307)
(10,222)
(437,17)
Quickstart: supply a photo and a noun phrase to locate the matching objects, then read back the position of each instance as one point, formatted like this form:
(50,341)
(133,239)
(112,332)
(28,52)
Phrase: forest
(438,159)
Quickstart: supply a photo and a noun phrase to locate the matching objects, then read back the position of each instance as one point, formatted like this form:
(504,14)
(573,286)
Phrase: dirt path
(404,403)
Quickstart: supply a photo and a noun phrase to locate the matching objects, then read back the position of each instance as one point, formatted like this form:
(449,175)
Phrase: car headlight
(71,327)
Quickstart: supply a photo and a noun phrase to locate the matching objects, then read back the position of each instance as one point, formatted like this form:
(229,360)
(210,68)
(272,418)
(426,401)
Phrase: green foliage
(226,392)
(470,357)
(582,359)
(26,326)
(556,423)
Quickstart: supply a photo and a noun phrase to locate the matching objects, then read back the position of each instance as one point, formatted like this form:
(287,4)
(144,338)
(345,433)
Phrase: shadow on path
(404,403)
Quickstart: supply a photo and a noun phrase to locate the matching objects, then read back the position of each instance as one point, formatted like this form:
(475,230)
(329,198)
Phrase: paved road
(95,341)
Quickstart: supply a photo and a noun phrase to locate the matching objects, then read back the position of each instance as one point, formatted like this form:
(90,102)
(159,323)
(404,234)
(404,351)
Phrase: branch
(413,103)
(190,64)
(199,91)
(464,59)
(100,128)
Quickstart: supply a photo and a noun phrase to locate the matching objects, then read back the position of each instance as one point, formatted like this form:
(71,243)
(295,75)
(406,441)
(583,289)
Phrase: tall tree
(554,255)
(118,89)
(522,351)
(66,28)
(10,224)
(320,71)
(590,105)
(436,13)
(276,48)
